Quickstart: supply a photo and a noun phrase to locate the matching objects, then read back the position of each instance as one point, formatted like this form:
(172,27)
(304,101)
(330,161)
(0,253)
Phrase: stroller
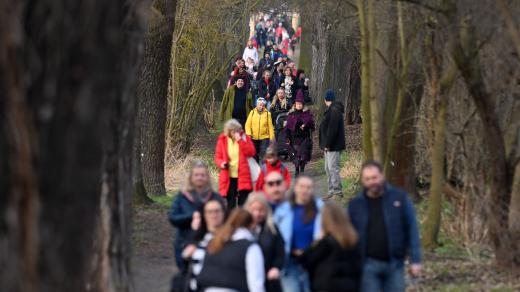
(282,143)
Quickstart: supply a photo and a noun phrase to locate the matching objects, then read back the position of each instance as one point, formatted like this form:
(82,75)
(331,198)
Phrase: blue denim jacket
(400,219)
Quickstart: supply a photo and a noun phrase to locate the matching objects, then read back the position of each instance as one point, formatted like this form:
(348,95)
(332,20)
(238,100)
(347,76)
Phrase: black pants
(260,147)
(299,167)
(235,198)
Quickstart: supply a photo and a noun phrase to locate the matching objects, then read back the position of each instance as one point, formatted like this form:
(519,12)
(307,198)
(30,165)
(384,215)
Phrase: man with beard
(385,220)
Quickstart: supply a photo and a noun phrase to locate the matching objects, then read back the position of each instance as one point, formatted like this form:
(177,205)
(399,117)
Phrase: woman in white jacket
(234,261)
(250,52)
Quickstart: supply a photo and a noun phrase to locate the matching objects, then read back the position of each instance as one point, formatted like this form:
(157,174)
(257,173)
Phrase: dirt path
(153,262)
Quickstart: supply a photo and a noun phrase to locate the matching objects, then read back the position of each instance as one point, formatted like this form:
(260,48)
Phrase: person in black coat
(332,142)
(266,63)
(269,238)
(303,84)
(334,262)
(289,83)
(187,202)
(267,86)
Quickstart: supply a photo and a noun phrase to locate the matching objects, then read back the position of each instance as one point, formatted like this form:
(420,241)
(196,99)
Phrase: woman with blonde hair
(279,105)
(231,153)
(189,200)
(333,262)
(268,237)
(233,260)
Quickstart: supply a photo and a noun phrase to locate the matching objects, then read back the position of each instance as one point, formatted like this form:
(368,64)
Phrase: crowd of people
(285,239)
(266,229)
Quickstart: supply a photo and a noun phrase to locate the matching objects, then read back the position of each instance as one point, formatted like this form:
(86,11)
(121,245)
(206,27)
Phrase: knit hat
(330,96)
(299,96)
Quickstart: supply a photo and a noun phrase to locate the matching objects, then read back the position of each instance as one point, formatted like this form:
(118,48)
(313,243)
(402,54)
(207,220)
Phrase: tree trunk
(67,134)
(365,82)
(399,164)
(153,91)
(465,53)
(376,115)
(319,57)
(18,181)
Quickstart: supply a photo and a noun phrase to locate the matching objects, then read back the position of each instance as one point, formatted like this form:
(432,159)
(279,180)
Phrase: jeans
(260,147)
(383,276)
(332,168)
(295,278)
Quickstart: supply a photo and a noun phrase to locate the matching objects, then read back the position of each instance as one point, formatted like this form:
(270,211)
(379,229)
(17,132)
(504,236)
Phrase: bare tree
(153,92)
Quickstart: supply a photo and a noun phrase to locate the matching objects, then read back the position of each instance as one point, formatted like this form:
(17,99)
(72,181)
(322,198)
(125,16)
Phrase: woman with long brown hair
(234,261)
(333,262)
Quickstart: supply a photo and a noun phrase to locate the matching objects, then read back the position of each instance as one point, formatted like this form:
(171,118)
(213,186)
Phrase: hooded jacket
(259,126)
(332,128)
(246,149)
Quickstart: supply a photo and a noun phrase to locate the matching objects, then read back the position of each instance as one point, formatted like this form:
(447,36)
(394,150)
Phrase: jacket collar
(386,188)
(242,233)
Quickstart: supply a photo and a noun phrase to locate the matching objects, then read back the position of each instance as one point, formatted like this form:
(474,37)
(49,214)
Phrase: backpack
(263,168)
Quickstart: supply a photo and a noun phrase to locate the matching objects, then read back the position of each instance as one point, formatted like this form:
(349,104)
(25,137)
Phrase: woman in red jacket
(231,153)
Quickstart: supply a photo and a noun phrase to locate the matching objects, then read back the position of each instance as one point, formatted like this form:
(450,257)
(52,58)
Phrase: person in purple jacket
(300,124)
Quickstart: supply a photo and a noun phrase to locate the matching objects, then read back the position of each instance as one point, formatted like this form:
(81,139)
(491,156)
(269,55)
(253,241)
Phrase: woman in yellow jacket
(259,126)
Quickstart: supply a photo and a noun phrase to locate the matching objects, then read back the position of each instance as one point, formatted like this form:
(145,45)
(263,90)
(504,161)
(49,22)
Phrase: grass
(164,201)
(203,149)
(351,164)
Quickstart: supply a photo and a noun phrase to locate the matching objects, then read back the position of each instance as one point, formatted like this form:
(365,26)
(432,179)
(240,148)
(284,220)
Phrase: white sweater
(250,53)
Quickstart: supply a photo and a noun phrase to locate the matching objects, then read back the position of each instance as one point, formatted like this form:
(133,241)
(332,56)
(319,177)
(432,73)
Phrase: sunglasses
(274,183)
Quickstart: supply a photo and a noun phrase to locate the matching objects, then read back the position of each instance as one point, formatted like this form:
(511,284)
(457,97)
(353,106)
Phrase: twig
(426,6)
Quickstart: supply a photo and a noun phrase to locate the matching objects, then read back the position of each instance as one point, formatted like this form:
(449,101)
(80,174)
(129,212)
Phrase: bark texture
(67,111)
(153,92)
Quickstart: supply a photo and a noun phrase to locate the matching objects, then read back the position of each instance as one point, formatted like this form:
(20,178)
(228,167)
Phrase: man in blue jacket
(385,220)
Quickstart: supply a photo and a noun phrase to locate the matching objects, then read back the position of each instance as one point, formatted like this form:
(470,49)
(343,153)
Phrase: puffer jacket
(246,149)
(259,125)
